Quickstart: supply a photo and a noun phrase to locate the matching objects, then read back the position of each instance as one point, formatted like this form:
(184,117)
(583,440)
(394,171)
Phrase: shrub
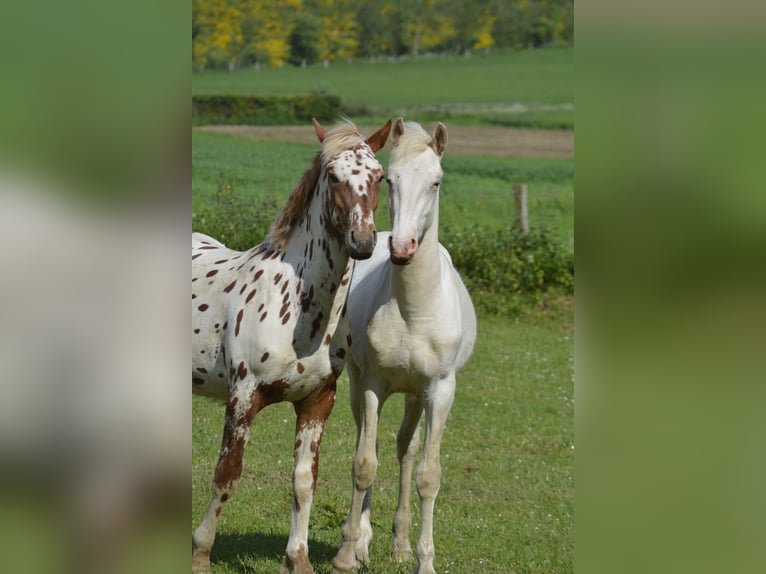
(264,110)
(237,223)
(505,269)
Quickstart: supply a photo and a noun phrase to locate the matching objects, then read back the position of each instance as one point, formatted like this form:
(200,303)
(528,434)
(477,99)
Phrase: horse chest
(408,348)
(295,343)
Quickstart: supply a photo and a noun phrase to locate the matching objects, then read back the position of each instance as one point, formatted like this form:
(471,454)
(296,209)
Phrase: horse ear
(321,132)
(377,140)
(398,131)
(439,139)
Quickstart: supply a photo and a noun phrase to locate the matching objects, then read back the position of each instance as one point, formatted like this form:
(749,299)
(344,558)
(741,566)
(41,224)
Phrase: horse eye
(332,178)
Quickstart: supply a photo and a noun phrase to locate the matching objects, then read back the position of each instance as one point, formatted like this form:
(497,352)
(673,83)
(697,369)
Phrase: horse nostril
(374,235)
(353,237)
(390,243)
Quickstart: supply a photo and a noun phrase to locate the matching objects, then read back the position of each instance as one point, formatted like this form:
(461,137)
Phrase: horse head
(414,177)
(352,175)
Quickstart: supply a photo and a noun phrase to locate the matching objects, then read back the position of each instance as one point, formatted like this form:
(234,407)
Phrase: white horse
(269,323)
(413,327)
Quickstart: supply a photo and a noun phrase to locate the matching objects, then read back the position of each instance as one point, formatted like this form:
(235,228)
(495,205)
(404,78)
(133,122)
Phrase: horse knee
(428,480)
(364,472)
(303,480)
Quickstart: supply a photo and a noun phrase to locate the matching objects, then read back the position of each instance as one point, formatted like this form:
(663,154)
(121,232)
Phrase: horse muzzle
(401,252)
(361,244)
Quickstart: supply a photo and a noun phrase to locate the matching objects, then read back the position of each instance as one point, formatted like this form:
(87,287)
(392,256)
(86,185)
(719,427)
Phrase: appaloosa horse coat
(269,323)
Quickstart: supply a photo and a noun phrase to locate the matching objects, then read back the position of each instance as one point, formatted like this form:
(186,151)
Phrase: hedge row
(264,110)
(503,269)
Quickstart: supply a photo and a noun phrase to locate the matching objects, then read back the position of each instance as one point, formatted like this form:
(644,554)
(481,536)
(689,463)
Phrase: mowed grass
(474,190)
(530,88)
(506,499)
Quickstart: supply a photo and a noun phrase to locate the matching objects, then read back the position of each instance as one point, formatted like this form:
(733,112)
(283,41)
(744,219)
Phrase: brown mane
(343,136)
(295,205)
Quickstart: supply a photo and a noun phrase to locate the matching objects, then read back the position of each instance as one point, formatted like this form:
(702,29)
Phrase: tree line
(236,33)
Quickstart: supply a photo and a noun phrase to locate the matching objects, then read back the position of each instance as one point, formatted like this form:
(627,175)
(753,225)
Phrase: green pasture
(474,190)
(507,495)
(531,88)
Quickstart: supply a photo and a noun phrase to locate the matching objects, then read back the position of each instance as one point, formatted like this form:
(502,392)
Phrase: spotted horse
(269,324)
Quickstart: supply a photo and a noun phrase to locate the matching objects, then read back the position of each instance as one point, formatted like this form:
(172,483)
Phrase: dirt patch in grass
(463,140)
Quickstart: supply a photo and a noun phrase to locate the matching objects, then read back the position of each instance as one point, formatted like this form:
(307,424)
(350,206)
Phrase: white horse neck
(416,286)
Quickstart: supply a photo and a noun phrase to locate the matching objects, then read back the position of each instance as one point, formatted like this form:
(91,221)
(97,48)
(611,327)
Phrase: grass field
(506,502)
(531,88)
(474,190)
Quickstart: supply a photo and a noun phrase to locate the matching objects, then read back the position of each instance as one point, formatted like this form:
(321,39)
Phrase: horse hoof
(298,565)
(402,552)
(339,567)
(201,563)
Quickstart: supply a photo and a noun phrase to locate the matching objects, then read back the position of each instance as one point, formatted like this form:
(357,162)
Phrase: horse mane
(339,138)
(413,141)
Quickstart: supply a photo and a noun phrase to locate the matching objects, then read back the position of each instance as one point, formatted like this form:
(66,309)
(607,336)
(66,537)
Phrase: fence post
(520,206)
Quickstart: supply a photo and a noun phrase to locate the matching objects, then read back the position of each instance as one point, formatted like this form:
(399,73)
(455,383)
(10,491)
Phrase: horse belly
(209,375)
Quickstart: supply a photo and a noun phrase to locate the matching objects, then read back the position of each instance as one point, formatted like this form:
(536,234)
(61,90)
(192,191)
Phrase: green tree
(431,27)
(339,30)
(271,23)
(216,32)
(229,33)
(304,39)
(524,23)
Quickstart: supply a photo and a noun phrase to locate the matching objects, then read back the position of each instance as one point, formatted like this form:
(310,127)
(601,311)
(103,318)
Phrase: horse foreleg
(406,448)
(365,524)
(439,399)
(311,415)
(236,431)
(353,551)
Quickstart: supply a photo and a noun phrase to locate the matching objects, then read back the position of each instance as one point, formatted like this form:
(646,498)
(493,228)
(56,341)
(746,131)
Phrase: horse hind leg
(407,442)
(239,418)
(438,405)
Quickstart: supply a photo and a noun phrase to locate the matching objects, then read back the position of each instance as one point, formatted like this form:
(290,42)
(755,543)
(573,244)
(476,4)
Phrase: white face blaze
(413,197)
(354,178)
